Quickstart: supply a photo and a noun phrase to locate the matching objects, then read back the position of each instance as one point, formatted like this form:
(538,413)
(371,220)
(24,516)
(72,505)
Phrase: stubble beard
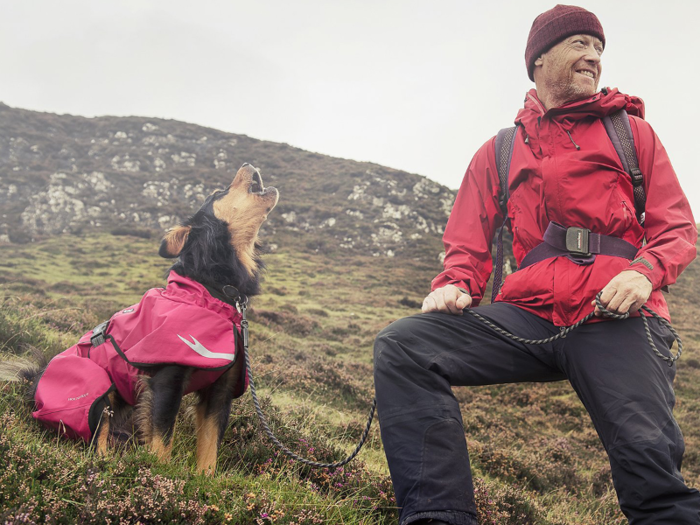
(570,90)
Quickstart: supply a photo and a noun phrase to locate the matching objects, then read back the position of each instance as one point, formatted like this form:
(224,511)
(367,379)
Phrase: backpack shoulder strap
(505,140)
(618,128)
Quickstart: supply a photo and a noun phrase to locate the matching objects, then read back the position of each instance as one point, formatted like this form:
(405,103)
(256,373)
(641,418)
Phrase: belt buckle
(577,241)
(98,334)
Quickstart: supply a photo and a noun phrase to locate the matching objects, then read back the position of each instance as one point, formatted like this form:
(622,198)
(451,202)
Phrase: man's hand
(449,300)
(628,290)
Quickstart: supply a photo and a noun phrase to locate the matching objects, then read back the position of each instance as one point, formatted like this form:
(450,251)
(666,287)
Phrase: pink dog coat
(181,324)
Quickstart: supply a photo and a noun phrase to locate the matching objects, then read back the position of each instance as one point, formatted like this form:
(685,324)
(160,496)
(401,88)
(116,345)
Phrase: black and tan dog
(216,250)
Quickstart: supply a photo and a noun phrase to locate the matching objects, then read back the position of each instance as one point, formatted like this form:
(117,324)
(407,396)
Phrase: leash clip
(241,305)
(240,299)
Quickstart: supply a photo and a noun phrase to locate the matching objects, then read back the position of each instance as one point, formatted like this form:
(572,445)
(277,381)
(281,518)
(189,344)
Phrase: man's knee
(392,342)
(649,484)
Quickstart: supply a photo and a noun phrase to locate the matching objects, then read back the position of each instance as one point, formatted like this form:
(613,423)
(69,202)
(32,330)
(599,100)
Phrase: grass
(64,483)
(535,455)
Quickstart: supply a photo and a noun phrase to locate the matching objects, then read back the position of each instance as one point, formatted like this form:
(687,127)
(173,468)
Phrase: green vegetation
(535,454)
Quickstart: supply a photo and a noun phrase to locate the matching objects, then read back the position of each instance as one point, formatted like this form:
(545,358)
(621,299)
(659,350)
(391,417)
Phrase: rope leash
(242,306)
(263,420)
(565,331)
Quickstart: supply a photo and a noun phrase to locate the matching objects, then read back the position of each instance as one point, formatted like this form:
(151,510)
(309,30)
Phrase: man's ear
(539,60)
(173,242)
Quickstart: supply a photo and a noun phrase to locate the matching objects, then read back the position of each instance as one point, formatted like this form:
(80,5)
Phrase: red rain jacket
(181,324)
(551,180)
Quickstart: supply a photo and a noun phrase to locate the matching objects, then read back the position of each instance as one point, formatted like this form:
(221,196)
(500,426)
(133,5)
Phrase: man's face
(570,70)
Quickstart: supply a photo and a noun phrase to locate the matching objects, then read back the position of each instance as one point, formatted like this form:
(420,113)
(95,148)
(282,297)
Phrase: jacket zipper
(572,140)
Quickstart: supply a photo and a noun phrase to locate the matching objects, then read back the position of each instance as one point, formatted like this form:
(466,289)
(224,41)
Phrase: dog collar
(229,294)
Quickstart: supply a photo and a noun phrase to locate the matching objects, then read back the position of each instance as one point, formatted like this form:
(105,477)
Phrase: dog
(138,366)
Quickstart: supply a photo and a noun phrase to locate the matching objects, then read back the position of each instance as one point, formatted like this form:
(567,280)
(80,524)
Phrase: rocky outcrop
(66,174)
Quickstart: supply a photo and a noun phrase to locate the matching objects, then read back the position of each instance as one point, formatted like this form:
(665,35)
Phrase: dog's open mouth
(256,185)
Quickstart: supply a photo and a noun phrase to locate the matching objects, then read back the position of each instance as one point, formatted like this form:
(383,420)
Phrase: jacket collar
(601,104)
(195,292)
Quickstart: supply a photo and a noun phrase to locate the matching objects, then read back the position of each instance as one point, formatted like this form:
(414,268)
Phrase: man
(565,170)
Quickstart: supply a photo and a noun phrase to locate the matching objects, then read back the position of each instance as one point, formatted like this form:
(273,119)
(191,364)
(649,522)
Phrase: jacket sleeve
(470,229)
(669,226)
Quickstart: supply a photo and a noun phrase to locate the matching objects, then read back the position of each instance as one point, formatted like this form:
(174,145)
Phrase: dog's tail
(27,368)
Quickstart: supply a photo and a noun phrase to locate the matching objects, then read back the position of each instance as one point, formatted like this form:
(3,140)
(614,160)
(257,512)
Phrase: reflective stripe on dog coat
(181,324)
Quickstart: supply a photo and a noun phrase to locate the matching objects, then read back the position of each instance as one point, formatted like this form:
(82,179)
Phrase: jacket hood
(601,104)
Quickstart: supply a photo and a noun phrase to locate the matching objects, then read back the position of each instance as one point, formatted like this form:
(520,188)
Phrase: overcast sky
(414,85)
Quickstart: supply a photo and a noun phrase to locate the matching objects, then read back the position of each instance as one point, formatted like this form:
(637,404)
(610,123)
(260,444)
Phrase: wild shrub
(132,231)
(291,323)
(24,325)
(504,504)
(410,303)
(317,312)
(246,447)
(335,382)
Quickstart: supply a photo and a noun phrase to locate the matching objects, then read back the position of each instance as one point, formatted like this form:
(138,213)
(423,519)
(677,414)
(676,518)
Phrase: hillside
(535,454)
(351,247)
(67,174)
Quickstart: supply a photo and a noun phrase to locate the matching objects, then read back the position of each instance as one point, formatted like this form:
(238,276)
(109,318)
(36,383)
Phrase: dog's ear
(174,241)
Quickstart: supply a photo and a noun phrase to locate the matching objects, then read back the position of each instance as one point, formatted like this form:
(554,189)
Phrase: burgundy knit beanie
(553,26)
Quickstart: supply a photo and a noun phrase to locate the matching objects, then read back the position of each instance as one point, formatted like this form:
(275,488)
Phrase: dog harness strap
(580,245)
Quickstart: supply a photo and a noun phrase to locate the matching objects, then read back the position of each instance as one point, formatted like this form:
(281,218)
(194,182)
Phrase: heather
(536,457)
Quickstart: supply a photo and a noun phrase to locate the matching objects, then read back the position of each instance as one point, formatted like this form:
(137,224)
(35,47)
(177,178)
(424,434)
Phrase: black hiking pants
(626,389)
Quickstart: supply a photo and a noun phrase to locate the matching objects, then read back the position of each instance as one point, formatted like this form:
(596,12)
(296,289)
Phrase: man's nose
(592,56)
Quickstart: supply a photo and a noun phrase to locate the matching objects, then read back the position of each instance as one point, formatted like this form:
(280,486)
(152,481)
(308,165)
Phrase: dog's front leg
(213,412)
(158,406)
(103,430)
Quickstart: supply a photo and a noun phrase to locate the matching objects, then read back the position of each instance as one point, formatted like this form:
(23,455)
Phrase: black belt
(579,245)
